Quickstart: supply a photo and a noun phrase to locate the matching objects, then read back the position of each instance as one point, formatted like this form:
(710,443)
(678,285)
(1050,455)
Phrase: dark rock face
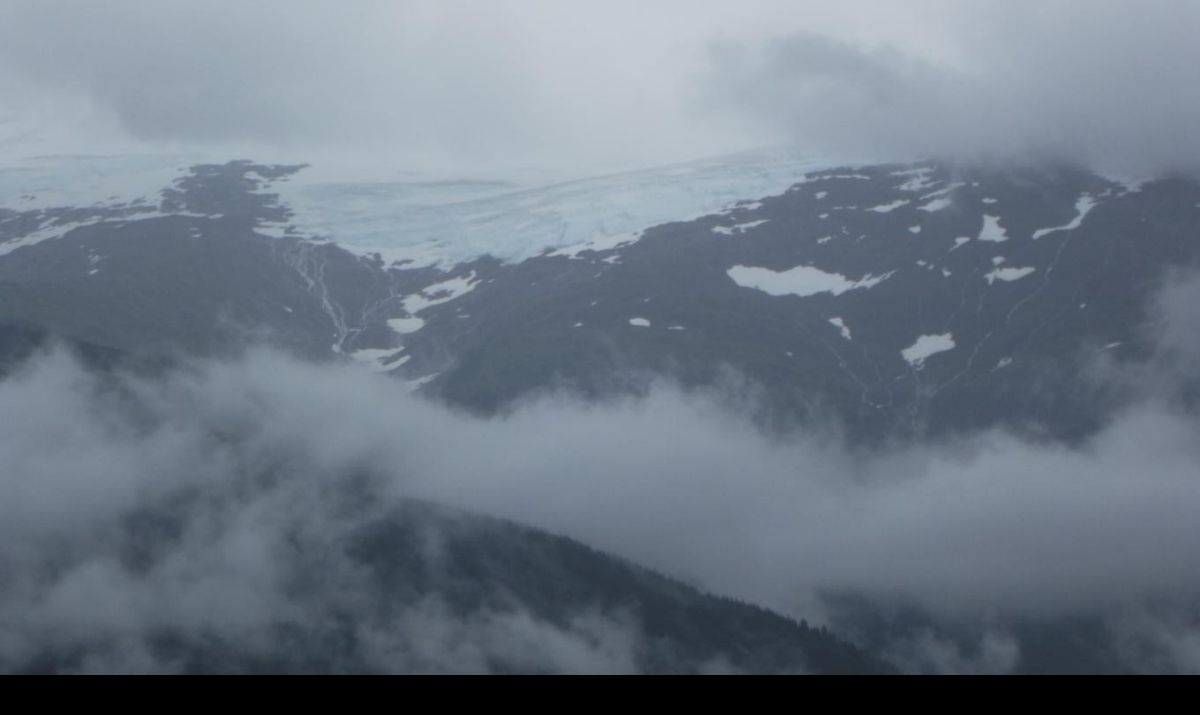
(170,280)
(1022,310)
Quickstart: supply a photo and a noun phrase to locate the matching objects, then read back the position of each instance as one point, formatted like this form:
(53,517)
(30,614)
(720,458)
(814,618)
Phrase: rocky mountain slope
(891,301)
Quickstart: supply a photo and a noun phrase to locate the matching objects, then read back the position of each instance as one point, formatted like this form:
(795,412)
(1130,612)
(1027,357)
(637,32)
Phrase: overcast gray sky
(486,84)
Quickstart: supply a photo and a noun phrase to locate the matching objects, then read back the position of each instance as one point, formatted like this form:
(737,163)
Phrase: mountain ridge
(897,298)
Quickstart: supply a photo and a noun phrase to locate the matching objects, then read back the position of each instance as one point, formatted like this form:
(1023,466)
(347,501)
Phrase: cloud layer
(1105,83)
(983,530)
(138,513)
(471,84)
(415,82)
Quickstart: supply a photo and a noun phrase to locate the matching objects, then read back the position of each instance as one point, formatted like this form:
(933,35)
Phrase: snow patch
(404,326)
(918,184)
(276,230)
(46,232)
(992,230)
(1083,207)
(936,205)
(51,228)
(841,326)
(439,293)
(1130,184)
(925,346)
(919,181)
(943,191)
(887,208)
(801,281)
(377,360)
(740,228)
(420,382)
(1008,274)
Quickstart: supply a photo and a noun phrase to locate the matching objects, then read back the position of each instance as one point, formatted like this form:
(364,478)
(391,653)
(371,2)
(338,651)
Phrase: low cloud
(165,527)
(205,501)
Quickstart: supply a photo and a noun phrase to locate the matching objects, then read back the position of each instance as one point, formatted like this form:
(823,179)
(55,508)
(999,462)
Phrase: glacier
(444,223)
(425,219)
